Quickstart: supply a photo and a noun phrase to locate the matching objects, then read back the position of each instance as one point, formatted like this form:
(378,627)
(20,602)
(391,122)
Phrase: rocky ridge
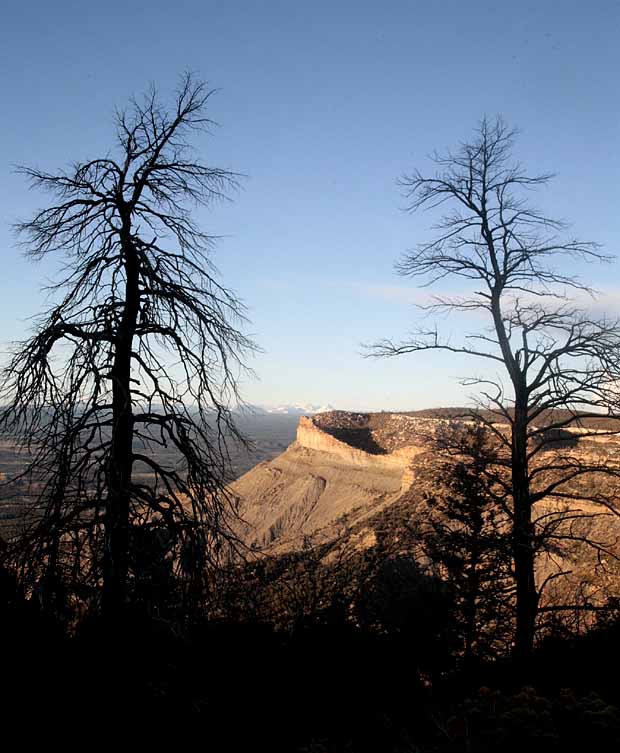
(341,466)
(349,475)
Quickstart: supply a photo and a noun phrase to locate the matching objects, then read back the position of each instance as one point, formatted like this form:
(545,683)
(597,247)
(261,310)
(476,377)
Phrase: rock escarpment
(344,468)
(312,436)
(356,480)
(321,484)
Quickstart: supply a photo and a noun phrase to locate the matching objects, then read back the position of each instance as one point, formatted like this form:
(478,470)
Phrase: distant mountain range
(297,409)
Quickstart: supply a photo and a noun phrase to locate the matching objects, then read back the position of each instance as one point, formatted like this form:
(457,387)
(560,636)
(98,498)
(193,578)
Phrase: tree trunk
(116,554)
(473,585)
(522,538)
(522,530)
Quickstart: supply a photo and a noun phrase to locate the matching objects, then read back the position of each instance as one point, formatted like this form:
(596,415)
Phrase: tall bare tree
(561,363)
(140,351)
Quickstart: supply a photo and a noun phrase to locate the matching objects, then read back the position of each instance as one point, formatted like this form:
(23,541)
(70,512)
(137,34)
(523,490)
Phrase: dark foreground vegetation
(389,680)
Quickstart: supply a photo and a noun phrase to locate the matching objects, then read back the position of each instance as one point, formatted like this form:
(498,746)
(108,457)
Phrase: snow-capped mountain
(297,409)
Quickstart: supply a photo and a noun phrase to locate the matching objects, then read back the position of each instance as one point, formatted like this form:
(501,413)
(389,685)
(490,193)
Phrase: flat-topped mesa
(343,469)
(384,433)
(343,466)
(357,447)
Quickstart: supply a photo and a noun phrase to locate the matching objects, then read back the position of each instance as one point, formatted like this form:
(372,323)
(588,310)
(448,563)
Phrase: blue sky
(322,105)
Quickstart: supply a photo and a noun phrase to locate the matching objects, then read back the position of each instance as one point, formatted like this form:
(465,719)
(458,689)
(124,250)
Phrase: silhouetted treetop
(561,364)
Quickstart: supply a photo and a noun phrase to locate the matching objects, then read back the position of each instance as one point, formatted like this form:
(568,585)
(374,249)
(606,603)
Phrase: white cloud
(405,294)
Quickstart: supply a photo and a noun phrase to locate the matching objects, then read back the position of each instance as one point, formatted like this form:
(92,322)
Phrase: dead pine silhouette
(141,350)
(560,362)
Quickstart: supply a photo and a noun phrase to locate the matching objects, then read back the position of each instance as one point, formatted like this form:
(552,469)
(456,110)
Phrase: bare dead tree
(141,351)
(560,362)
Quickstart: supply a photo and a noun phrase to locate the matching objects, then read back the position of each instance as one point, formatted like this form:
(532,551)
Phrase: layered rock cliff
(321,484)
(352,474)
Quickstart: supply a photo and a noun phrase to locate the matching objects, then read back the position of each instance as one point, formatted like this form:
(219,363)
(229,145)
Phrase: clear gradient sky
(322,105)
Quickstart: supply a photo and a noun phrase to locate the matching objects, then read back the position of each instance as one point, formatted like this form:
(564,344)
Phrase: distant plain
(267,436)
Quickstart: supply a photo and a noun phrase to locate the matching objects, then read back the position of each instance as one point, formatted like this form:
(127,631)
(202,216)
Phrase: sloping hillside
(349,476)
(315,484)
